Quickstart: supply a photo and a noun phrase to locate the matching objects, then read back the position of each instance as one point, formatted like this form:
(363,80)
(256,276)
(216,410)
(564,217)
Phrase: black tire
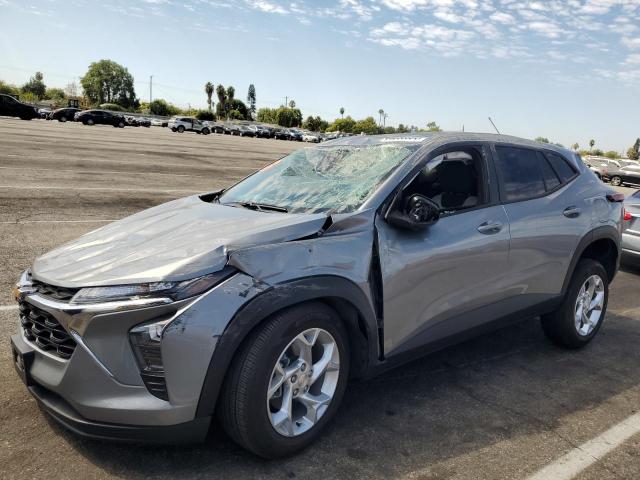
(62,119)
(205,131)
(180,129)
(560,326)
(121,124)
(241,409)
(616,181)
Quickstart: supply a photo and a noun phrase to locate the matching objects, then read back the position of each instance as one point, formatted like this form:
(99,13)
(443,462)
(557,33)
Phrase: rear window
(561,166)
(521,173)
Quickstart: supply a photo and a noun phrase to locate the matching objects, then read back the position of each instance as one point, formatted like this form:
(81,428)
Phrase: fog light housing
(146,342)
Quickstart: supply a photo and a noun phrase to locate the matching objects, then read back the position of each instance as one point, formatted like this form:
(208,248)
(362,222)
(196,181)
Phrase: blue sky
(568,70)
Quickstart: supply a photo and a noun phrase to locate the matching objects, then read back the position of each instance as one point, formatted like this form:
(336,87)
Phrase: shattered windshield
(336,179)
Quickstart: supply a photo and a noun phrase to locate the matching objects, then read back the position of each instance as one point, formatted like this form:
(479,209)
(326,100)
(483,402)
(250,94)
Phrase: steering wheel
(421,209)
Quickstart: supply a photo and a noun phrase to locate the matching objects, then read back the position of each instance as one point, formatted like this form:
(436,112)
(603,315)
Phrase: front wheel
(121,124)
(616,181)
(286,383)
(580,316)
(63,119)
(180,129)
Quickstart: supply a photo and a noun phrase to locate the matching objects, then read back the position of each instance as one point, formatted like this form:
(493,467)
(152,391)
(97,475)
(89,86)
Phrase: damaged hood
(178,240)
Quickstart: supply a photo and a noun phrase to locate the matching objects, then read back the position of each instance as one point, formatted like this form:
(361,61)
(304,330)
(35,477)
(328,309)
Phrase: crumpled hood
(178,240)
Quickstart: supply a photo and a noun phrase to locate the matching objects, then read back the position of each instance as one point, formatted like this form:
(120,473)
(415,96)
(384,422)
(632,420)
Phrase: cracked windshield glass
(334,179)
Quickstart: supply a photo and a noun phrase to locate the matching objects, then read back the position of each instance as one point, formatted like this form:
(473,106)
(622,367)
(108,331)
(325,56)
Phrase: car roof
(437,138)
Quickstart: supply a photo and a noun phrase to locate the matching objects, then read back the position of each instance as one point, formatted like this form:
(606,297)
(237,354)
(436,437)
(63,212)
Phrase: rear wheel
(616,181)
(89,122)
(287,381)
(580,316)
(63,119)
(120,124)
(205,131)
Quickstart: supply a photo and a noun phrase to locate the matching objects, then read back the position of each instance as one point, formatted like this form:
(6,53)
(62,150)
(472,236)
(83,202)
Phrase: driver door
(448,277)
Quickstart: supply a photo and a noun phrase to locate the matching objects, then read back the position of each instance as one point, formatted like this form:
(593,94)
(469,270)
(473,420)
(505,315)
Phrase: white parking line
(103,189)
(98,172)
(578,459)
(6,308)
(22,222)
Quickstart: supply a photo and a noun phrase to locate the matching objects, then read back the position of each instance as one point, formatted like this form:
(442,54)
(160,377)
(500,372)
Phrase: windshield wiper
(262,207)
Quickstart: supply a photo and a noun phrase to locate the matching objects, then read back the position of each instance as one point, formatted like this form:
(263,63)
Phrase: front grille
(52,291)
(45,331)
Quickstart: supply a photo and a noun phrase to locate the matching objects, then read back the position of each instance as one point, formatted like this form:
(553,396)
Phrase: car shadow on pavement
(470,398)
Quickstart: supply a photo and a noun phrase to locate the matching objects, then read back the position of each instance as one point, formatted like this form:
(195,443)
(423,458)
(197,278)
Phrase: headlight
(170,291)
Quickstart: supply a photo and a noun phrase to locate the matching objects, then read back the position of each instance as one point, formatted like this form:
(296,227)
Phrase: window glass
(521,173)
(452,180)
(551,180)
(561,166)
(335,179)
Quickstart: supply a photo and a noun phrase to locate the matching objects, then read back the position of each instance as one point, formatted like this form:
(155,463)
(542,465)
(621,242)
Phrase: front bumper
(98,391)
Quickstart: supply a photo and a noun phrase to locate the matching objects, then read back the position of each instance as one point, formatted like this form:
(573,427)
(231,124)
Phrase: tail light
(626,216)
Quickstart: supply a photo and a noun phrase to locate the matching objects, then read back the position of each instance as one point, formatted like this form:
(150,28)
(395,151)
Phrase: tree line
(633,152)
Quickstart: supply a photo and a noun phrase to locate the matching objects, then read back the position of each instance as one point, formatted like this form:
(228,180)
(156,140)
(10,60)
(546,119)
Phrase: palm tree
(592,142)
(208,88)
(231,92)
(292,104)
(222,98)
(380,114)
(575,146)
(341,112)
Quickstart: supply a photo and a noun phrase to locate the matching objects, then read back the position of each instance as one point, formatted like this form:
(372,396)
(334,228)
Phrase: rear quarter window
(561,166)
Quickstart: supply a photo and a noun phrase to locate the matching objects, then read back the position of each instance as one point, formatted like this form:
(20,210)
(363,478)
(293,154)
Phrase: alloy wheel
(303,382)
(589,305)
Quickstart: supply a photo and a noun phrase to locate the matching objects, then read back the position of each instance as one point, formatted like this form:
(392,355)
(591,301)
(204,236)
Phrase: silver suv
(188,124)
(259,302)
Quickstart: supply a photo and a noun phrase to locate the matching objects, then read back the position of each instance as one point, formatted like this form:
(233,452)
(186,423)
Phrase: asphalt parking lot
(504,405)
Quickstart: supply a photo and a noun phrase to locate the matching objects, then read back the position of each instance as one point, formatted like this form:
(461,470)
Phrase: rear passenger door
(547,219)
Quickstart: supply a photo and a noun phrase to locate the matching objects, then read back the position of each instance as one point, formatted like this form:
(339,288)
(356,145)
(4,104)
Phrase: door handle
(489,228)
(571,212)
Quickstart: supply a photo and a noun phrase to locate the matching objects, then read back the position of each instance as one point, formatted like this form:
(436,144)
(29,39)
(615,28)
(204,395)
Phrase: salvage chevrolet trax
(258,303)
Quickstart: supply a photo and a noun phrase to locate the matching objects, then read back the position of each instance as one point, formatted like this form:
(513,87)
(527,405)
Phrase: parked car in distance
(159,122)
(246,131)
(64,114)
(631,228)
(100,117)
(217,128)
(44,113)
(295,135)
(629,175)
(281,134)
(10,107)
(260,131)
(233,129)
(311,137)
(259,302)
(188,124)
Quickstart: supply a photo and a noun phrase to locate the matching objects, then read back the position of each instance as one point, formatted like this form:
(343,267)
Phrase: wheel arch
(601,244)
(345,297)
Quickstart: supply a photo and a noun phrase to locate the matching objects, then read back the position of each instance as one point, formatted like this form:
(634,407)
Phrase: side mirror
(413,213)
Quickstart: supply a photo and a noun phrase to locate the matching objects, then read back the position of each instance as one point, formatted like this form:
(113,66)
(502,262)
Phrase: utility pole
(150,89)
(286,102)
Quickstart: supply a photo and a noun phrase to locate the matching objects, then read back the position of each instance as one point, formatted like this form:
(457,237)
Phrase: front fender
(339,292)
